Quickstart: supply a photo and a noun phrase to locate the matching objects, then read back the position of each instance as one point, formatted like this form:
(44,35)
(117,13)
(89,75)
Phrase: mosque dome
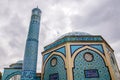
(75,34)
(17,65)
(71,36)
(20,61)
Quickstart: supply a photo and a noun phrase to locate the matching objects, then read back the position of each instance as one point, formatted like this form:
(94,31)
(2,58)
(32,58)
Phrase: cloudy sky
(98,17)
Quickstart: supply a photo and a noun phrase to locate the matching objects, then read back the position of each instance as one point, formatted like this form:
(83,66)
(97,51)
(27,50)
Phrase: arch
(54,53)
(13,74)
(59,69)
(82,68)
(87,47)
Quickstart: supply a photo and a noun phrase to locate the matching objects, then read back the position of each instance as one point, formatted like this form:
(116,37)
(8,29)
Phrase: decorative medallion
(53,61)
(88,56)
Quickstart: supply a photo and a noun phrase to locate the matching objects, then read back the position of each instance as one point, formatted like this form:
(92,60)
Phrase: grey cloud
(98,15)
(5,12)
(15,28)
(4,55)
(15,32)
(3,52)
(102,19)
(108,12)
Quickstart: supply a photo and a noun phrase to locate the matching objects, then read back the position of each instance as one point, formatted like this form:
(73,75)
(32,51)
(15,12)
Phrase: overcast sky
(97,17)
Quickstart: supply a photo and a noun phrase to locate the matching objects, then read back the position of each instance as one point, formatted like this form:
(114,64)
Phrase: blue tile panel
(46,56)
(8,73)
(59,68)
(96,46)
(73,48)
(60,50)
(31,50)
(80,65)
(28,75)
(74,39)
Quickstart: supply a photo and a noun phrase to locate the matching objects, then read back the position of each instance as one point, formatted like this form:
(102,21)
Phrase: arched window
(16,77)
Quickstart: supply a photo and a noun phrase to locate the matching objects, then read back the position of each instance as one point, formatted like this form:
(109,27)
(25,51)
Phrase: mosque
(73,56)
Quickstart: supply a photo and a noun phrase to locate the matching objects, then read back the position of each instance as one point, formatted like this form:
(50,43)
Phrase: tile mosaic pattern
(73,48)
(60,50)
(99,47)
(8,73)
(31,51)
(74,39)
(80,64)
(59,68)
(46,56)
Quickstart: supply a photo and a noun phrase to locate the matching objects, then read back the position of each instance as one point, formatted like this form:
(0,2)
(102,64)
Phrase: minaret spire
(31,50)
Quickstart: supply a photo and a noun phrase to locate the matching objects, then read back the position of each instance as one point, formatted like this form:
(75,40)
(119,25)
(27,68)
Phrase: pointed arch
(88,47)
(13,74)
(48,69)
(55,53)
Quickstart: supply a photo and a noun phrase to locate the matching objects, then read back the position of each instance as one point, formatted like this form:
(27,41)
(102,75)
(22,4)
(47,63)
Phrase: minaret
(31,50)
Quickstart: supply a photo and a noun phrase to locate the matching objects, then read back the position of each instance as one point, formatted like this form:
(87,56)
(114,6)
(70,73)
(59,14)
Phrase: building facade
(79,56)
(13,72)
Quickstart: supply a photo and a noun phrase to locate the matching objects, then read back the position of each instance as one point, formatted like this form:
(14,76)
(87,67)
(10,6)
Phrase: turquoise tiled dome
(20,61)
(17,65)
(75,34)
